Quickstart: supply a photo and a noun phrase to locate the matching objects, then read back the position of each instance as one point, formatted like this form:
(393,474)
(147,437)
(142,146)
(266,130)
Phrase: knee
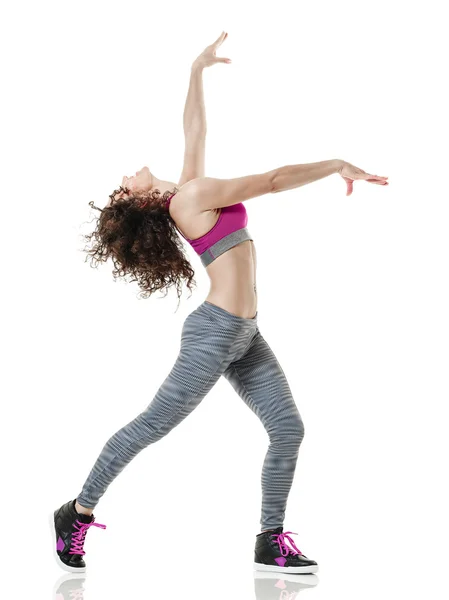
(290,433)
(150,430)
(145,427)
(298,429)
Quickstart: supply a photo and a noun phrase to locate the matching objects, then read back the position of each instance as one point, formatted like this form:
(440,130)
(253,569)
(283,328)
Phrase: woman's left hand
(207,56)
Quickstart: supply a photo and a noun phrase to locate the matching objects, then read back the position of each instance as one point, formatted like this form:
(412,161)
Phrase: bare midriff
(233,280)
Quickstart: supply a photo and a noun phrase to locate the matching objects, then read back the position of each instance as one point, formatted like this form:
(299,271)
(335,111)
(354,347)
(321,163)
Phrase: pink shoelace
(280,539)
(79,536)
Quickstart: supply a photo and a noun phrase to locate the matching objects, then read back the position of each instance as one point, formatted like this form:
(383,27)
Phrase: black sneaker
(271,553)
(69,529)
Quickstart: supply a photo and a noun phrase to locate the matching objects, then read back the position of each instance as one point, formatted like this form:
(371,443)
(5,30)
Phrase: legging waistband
(226,316)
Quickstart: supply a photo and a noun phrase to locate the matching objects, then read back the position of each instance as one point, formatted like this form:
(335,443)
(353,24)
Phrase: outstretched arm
(195,127)
(209,192)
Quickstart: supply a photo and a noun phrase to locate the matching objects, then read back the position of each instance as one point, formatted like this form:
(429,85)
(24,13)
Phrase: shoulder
(192,220)
(185,200)
(189,189)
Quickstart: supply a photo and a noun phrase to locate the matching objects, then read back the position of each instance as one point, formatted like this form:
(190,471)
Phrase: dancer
(142,229)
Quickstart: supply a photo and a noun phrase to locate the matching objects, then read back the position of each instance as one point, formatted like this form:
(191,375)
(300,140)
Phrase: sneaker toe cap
(73,560)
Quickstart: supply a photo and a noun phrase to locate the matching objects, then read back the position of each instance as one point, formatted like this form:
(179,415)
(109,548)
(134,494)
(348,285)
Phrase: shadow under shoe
(271,553)
(69,530)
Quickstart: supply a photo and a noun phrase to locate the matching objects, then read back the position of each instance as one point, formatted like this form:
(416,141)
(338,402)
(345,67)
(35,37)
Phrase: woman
(139,229)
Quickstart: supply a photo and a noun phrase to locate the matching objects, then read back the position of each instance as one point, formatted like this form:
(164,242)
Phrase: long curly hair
(137,232)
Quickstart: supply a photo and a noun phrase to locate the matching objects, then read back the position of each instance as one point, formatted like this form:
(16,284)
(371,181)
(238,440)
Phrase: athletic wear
(69,530)
(271,553)
(215,342)
(229,230)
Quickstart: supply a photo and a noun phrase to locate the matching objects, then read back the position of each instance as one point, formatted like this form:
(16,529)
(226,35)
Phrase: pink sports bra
(229,230)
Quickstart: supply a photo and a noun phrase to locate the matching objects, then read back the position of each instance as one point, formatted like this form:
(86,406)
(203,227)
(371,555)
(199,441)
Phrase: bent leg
(260,381)
(201,361)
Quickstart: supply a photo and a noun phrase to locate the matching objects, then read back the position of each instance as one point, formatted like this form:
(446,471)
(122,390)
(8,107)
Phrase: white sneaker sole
(51,520)
(276,569)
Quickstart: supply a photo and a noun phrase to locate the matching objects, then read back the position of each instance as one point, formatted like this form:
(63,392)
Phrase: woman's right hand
(350,173)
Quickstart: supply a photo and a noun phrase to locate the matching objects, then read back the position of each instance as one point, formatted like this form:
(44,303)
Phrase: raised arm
(195,128)
(194,120)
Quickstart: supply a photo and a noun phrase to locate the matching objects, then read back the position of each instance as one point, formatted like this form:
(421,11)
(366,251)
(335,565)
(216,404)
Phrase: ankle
(82,509)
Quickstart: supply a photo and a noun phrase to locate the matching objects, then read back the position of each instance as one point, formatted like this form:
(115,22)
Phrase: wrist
(339,165)
(196,66)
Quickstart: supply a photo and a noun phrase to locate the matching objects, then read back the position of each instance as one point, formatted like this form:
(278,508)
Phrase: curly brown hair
(137,232)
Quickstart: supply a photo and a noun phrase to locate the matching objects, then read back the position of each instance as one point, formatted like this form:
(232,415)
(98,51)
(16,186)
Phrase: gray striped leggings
(215,342)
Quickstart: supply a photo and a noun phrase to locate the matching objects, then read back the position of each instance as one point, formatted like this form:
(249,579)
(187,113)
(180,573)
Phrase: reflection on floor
(267,586)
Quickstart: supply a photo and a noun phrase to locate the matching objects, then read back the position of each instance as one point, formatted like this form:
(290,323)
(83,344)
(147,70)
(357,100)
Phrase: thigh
(260,381)
(202,359)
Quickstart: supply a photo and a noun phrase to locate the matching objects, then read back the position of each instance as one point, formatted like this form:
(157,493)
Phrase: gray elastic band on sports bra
(228,242)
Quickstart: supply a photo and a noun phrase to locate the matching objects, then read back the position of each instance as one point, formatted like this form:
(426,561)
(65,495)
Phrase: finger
(350,187)
(377,177)
(376,180)
(225,60)
(220,39)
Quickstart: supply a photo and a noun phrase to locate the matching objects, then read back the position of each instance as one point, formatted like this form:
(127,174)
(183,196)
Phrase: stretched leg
(260,381)
(201,361)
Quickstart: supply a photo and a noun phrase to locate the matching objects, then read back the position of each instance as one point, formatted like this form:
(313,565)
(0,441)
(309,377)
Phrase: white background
(353,293)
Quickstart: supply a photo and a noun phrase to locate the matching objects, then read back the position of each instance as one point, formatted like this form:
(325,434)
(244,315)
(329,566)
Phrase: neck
(162,185)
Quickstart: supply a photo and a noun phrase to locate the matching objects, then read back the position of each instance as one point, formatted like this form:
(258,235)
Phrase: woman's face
(141,181)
